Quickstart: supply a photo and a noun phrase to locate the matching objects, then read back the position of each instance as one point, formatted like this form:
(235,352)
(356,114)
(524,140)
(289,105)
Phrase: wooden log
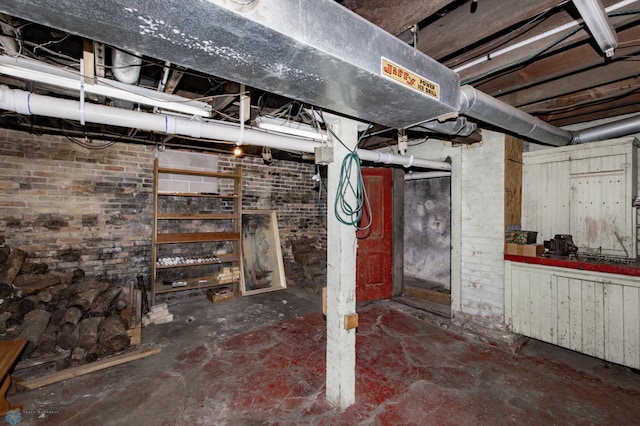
(70,321)
(34,268)
(33,327)
(4,254)
(4,317)
(89,332)
(112,334)
(62,292)
(77,356)
(39,282)
(88,290)
(94,353)
(14,310)
(102,303)
(44,296)
(72,276)
(57,316)
(69,340)
(26,305)
(121,305)
(5,290)
(12,266)
(63,363)
(43,364)
(48,340)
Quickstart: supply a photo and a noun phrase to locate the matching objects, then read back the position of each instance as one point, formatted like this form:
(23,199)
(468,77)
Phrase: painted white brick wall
(477,185)
(482,235)
(186,183)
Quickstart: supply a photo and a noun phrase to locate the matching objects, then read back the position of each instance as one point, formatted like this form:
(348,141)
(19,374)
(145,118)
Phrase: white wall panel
(586,191)
(590,312)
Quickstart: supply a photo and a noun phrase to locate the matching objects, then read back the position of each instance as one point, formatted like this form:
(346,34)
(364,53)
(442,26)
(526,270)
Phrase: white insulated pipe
(28,103)
(425,175)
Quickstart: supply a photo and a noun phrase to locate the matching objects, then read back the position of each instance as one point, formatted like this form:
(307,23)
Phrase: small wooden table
(9,353)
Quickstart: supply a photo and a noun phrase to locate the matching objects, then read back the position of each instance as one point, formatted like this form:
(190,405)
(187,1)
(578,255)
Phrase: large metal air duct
(315,51)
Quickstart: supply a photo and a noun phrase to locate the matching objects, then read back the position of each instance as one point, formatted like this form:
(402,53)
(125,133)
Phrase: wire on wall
(346,211)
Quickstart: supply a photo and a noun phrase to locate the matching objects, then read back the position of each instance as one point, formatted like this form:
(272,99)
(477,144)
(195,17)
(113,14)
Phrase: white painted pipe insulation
(28,103)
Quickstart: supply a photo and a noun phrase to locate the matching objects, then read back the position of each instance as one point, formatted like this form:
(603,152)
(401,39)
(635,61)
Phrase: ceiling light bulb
(237,151)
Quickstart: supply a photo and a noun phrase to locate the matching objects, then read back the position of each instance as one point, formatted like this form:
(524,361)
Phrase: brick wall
(71,207)
(288,188)
(482,247)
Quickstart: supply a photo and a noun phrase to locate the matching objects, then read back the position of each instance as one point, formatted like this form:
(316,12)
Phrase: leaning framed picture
(263,267)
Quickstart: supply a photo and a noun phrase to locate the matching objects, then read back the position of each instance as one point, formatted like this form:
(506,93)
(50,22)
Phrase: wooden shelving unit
(191,259)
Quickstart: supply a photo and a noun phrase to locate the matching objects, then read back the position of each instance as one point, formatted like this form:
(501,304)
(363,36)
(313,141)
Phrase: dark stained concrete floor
(259,360)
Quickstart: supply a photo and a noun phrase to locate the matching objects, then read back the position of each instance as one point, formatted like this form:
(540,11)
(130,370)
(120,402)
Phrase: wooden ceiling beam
(460,28)
(607,111)
(605,107)
(395,16)
(594,77)
(560,64)
(604,94)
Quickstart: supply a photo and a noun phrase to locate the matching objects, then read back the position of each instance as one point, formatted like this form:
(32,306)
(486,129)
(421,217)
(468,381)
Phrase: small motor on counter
(561,245)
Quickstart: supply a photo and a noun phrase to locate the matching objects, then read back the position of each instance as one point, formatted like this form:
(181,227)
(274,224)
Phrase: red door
(375,254)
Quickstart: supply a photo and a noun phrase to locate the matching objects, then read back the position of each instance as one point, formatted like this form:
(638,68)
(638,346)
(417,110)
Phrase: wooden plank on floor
(80,370)
(425,305)
(426,294)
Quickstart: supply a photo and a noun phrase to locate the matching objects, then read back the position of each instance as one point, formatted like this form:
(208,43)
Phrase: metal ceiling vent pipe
(616,129)
(126,66)
(480,106)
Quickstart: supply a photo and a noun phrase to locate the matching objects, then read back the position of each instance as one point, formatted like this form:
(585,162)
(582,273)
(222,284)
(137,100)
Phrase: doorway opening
(427,245)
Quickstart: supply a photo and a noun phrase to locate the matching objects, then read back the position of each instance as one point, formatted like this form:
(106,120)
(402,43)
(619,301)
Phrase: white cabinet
(590,312)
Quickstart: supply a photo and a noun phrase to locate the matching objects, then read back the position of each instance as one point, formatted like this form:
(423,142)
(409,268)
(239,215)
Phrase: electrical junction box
(324,155)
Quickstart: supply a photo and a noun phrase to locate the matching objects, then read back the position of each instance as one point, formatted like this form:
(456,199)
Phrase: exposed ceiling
(562,78)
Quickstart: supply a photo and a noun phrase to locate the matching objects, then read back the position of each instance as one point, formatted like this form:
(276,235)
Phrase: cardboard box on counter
(531,250)
(521,237)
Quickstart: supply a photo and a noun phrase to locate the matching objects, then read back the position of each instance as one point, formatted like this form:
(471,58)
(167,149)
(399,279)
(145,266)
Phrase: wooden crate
(218,295)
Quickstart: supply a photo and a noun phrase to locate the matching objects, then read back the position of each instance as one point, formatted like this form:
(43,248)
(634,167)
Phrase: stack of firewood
(78,318)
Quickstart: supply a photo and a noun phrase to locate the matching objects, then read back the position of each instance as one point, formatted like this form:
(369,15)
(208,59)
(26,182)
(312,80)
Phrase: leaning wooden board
(69,373)
(9,352)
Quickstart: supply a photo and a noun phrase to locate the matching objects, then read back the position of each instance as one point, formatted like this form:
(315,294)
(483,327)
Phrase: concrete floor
(259,360)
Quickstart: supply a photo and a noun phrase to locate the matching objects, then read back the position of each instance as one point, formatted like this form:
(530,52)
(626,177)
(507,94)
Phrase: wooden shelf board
(188,216)
(224,258)
(168,170)
(194,284)
(196,194)
(197,237)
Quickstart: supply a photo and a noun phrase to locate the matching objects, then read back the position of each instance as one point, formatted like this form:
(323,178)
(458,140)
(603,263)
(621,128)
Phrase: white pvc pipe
(402,160)
(540,36)
(426,175)
(28,103)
